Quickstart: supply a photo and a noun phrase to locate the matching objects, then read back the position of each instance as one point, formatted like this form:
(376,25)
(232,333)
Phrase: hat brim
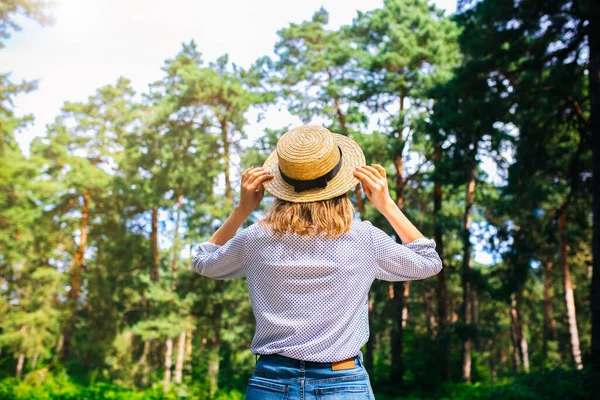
(344,180)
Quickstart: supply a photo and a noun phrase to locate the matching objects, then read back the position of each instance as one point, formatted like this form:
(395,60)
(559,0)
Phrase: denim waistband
(292,362)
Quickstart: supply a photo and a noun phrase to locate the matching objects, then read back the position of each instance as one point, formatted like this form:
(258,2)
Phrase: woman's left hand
(252,190)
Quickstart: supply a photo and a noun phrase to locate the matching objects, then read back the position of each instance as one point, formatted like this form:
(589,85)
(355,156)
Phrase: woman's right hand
(375,185)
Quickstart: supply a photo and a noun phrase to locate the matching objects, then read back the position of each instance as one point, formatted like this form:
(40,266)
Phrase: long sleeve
(222,261)
(403,262)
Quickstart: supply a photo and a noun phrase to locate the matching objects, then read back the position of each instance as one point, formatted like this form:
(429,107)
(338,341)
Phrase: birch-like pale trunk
(168,360)
(568,288)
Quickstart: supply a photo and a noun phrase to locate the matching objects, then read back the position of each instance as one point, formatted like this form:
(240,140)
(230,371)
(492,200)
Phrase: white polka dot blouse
(310,295)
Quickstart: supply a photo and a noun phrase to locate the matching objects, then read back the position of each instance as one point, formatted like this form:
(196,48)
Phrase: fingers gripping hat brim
(344,180)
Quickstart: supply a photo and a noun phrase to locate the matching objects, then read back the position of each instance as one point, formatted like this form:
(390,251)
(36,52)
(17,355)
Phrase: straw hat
(312,164)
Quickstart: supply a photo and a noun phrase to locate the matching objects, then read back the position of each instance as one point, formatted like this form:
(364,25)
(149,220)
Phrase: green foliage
(113,199)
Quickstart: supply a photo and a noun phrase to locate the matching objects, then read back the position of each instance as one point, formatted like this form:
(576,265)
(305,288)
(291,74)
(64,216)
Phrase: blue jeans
(281,378)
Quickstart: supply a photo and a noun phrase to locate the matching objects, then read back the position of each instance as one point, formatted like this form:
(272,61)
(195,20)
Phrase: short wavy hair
(330,217)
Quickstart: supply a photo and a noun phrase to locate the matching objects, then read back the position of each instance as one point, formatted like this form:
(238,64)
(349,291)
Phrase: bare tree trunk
(492,359)
(217,316)
(360,204)
(180,357)
(441,290)
(475,318)
(466,268)
(142,363)
(521,338)
(514,330)
(20,363)
(34,360)
(225,139)
(406,295)
(154,243)
(76,275)
(397,368)
(594,93)
(176,240)
(524,349)
(215,343)
(568,287)
(187,362)
(550,332)
(60,344)
(431,322)
(168,360)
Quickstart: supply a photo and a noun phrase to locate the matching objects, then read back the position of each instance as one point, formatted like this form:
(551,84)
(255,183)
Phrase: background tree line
(487,122)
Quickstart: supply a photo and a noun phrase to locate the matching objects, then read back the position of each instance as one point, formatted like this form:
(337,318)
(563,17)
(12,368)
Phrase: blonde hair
(331,217)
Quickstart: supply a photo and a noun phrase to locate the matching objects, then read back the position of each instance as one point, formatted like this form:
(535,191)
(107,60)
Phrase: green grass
(546,385)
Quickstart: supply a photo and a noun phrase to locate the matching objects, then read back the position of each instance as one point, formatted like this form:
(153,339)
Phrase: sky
(91,43)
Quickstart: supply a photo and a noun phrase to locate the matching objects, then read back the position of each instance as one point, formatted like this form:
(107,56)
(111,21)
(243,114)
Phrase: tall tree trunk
(168,360)
(475,318)
(143,363)
(20,363)
(154,243)
(360,203)
(226,145)
(187,361)
(217,316)
(60,344)
(466,275)
(492,360)
(522,346)
(176,240)
(76,275)
(550,332)
(594,91)
(406,295)
(154,269)
(514,334)
(34,360)
(568,288)
(341,117)
(180,357)
(181,343)
(397,368)
(430,320)
(215,343)
(338,109)
(441,287)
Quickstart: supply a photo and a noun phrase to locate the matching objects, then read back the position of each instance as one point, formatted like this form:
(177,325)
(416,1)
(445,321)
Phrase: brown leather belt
(344,364)
(348,363)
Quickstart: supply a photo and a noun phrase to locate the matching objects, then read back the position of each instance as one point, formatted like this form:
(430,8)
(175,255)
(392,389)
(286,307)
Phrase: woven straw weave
(308,152)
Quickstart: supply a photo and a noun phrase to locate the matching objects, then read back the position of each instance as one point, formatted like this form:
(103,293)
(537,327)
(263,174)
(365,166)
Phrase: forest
(486,120)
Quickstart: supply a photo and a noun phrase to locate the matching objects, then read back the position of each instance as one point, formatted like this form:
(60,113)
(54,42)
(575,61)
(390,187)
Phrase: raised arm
(375,185)
(251,194)
(223,255)
(416,258)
